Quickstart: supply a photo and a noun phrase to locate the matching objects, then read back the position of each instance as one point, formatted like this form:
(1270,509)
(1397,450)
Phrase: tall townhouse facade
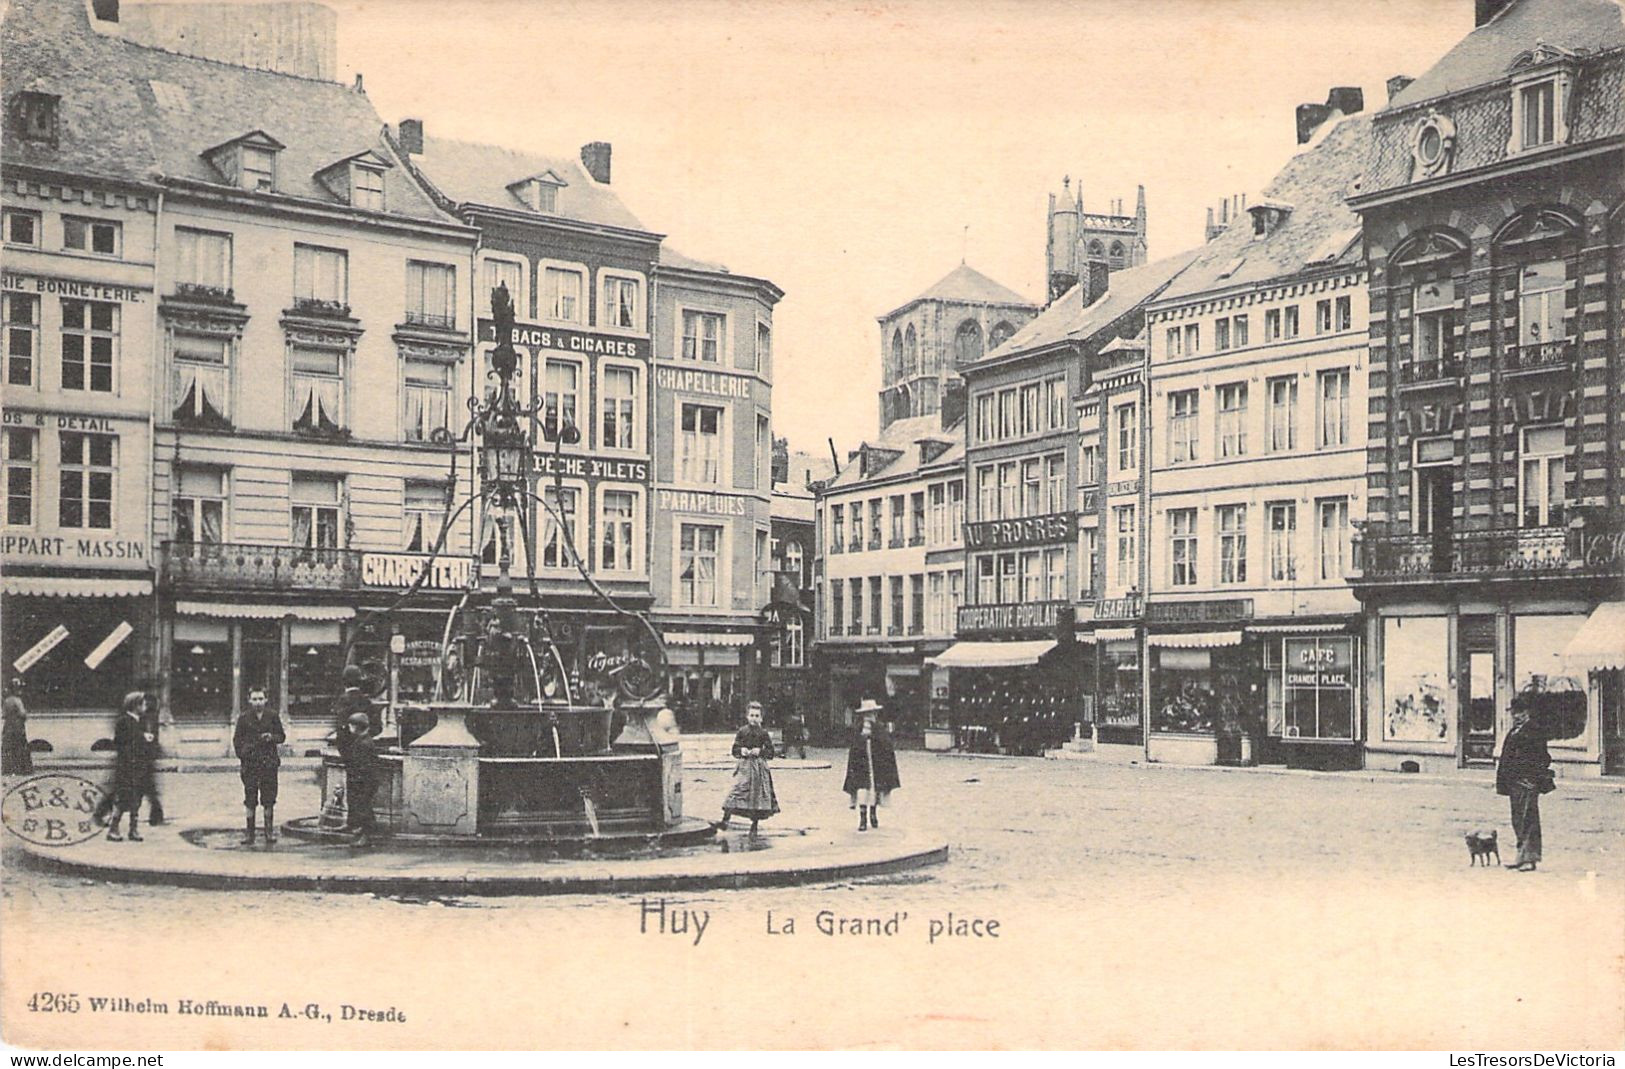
(79,227)
(1025,670)
(712,567)
(1255,446)
(925,340)
(791,613)
(891,526)
(578,268)
(1492,558)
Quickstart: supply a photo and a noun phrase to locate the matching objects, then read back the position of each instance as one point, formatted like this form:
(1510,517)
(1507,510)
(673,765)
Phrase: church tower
(1075,237)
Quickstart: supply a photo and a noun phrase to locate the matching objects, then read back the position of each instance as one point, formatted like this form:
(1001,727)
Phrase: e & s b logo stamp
(52,810)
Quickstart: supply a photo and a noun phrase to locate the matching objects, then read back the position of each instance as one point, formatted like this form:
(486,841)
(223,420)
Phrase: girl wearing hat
(871,768)
(752,794)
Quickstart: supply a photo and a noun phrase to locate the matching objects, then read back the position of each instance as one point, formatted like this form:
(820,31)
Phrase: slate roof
(1319,230)
(791,505)
(1069,319)
(133,112)
(1484,55)
(966,285)
(469,172)
(670,257)
(904,436)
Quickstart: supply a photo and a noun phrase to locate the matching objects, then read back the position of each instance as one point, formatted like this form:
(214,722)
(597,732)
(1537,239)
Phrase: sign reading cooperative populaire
(1029,531)
(402,570)
(700,501)
(1004,619)
(565,340)
(1319,663)
(712,383)
(70,287)
(575,467)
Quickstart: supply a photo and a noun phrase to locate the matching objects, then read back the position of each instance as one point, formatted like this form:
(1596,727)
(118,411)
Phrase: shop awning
(61,586)
(1296,629)
(1113,634)
(707,638)
(225,610)
(992,654)
(1195,640)
(1600,643)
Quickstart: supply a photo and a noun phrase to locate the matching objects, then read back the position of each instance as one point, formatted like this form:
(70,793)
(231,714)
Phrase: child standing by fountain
(871,768)
(752,794)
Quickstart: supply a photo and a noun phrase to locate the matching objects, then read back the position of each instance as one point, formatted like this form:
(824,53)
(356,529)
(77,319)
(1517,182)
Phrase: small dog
(1482,845)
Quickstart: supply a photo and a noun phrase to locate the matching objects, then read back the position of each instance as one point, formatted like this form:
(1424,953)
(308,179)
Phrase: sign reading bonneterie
(402,570)
(1040,616)
(1028,531)
(573,342)
(70,287)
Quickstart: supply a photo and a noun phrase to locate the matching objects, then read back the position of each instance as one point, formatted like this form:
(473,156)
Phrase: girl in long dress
(752,794)
(871,770)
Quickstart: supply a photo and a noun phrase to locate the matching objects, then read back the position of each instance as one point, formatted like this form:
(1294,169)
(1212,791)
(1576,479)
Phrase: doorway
(1611,714)
(1478,689)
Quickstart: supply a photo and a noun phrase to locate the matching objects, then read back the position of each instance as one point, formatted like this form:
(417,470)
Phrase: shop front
(1597,651)
(1016,678)
(1204,685)
(709,678)
(1117,676)
(1312,716)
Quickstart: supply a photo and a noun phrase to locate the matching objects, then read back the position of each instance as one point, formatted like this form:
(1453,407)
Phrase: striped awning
(1599,645)
(992,654)
(708,638)
(1113,634)
(1296,629)
(225,610)
(61,586)
(1195,640)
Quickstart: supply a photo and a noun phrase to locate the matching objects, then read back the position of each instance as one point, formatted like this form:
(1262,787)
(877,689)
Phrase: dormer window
(34,116)
(367,187)
(356,180)
(256,168)
(1537,104)
(539,193)
(1541,81)
(1268,217)
(249,162)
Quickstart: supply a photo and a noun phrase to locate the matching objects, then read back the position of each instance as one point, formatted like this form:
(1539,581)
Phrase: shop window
(198,508)
(262,661)
(1332,398)
(618,405)
(561,388)
(1414,659)
(423,516)
(617,525)
(1283,414)
(90,341)
(1332,534)
(700,444)
(1195,691)
(315,669)
(1119,712)
(1318,688)
(698,556)
(431,294)
(1182,547)
(315,511)
(88,473)
(1232,426)
(22,475)
(1182,434)
(1283,535)
(561,294)
(1127,555)
(1232,521)
(621,305)
(20,227)
(1543,683)
(21,327)
(321,278)
(702,336)
(317,402)
(427,388)
(200,667)
(202,261)
(1542,477)
(101,237)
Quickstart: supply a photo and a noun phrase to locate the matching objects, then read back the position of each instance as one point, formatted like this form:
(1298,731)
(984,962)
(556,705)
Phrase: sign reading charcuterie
(402,570)
(1028,531)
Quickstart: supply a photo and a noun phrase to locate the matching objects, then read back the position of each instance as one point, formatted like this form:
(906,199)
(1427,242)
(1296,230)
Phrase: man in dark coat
(350,702)
(257,741)
(1523,775)
(360,774)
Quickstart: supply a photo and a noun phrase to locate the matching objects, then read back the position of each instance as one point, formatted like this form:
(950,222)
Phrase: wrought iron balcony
(443,321)
(1431,370)
(1538,356)
(1486,554)
(239,566)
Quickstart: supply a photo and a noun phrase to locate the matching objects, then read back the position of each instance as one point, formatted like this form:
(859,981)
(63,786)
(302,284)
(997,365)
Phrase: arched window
(1118,255)
(911,352)
(1001,334)
(968,342)
(894,370)
(1097,251)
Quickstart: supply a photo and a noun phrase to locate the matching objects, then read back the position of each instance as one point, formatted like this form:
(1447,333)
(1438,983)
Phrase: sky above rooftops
(840,150)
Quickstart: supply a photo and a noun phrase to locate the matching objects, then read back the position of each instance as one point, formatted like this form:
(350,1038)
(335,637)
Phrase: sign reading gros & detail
(565,340)
(1002,619)
(402,570)
(1029,531)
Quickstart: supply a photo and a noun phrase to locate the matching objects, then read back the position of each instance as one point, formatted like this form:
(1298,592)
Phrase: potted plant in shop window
(1557,704)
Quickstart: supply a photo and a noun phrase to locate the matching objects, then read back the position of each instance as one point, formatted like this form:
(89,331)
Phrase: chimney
(595,157)
(1397,84)
(1348,99)
(105,10)
(410,135)
(1094,280)
(1485,10)
(1310,116)
(954,402)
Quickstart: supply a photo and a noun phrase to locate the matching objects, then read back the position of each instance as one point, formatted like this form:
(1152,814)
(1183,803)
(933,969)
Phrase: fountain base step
(685,832)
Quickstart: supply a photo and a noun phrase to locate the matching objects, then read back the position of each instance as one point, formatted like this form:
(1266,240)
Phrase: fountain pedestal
(440,778)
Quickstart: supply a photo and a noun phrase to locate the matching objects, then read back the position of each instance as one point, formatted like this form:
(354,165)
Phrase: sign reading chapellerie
(1029,531)
(402,570)
(1038,616)
(565,340)
(706,382)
